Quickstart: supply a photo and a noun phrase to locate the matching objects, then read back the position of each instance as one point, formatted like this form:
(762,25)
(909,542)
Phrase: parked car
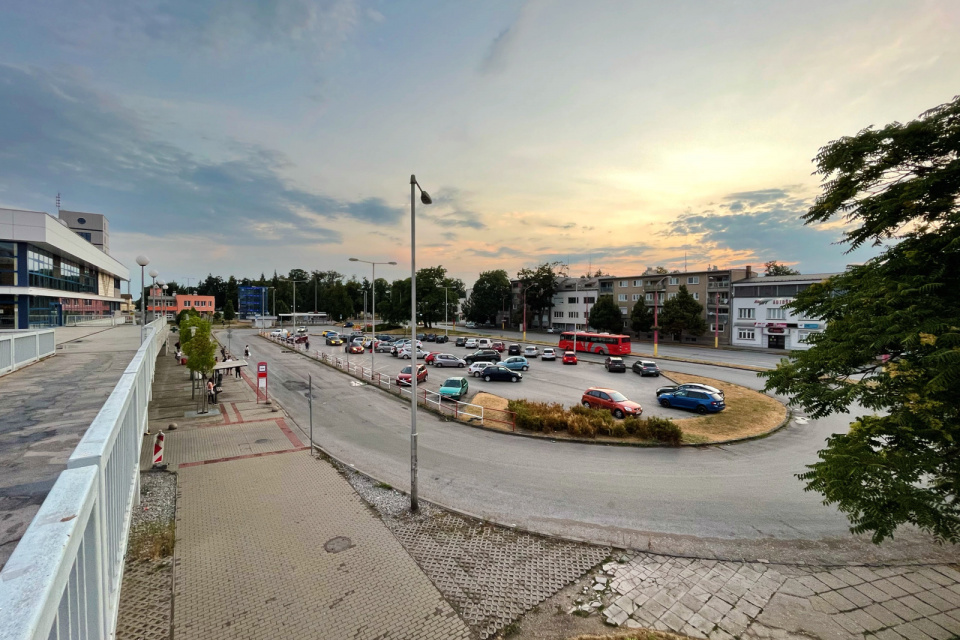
(448,360)
(386,337)
(454,388)
(330,334)
(354,348)
(470,325)
(431,356)
(347,325)
(383,347)
(549,353)
(499,346)
(277,333)
(646,368)
(569,357)
(421,336)
(484,355)
(615,364)
(531,351)
(697,400)
(471,343)
(499,372)
(430,337)
(334,341)
(301,329)
(614,401)
(404,376)
(484,343)
(476,369)
(517,363)
(553,330)
(461,341)
(690,385)
(514,350)
(442,339)
(301,339)
(406,353)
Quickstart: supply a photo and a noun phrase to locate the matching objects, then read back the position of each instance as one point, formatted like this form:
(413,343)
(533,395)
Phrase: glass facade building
(252,301)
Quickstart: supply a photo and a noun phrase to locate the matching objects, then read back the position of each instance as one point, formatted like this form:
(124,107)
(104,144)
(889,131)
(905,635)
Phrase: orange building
(171,305)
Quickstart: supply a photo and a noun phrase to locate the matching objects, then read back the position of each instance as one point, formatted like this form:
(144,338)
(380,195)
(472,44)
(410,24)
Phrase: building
(92,227)
(760,319)
(572,302)
(251,302)
(171,305)
(710,287)
(51,276)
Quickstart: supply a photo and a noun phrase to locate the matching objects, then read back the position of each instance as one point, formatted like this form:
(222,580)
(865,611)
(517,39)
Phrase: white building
(760,319)
(572,302)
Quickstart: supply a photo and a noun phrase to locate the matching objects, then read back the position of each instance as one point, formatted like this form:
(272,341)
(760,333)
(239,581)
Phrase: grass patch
(748,413)
(383,485)
(152,541)
(584,422)
(487,401)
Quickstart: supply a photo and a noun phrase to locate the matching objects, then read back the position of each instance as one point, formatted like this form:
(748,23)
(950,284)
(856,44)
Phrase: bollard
(158,449)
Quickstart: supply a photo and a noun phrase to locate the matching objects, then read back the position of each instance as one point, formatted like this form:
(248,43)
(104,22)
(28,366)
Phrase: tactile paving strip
(492,574)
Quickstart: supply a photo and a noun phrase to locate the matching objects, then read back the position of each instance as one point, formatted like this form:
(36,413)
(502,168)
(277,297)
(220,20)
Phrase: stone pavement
(724,600)
(272,543)
(44,411)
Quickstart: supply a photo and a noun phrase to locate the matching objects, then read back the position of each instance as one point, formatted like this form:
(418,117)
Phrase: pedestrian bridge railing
(63,579)
(20,348)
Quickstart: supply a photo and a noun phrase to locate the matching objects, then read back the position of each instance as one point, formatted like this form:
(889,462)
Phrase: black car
(430,337)
(386,337)
(484,355)
(646,368)
(514,350)
(421,336)
(615,363)
(461,341)
(500,372)
(690,386)
(442,339)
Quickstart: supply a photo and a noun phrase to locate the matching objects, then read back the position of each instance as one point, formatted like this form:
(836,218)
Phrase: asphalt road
(735,501)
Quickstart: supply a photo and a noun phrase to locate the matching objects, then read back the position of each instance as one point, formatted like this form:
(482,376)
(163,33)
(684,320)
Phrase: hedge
(585,422)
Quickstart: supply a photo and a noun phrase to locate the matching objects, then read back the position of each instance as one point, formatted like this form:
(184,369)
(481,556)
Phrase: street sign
(262,380)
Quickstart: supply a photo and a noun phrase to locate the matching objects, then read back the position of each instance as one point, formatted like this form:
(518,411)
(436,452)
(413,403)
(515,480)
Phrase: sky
(246,136)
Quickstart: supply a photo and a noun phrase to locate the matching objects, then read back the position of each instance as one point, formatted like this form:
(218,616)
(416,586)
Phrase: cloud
(495,59)
(494,253)
(448,209)
(57,134)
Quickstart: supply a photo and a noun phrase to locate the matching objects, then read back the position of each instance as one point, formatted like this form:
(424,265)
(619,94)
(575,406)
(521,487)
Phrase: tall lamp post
(294,283)
(656,327)
(143,261)
(446,326)
(153,277)
(425,199)
(163,292)
(373,313)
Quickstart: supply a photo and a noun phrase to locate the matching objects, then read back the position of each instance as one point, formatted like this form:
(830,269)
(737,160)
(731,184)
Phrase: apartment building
(760,319)
(572,302)
(169,305)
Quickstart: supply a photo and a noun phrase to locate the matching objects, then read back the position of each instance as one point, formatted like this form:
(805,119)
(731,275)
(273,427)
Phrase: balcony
(718,286)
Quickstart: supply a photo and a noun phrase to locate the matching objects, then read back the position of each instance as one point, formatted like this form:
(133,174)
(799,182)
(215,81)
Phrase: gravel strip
(158,498)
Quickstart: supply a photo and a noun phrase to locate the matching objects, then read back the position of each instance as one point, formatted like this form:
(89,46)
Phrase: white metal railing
(20,348)
(63,578)
(92,321)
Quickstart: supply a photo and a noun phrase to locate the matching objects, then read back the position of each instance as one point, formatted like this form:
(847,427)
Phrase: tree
(682,314)
(228,311)
(660,270)
(641,318)
(537,287)
(190,311)
(773,268)
(490,294)
(197,345)
(605,315)
(894,320)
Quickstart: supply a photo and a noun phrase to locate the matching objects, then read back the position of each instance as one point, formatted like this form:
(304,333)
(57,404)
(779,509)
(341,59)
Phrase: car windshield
(452,382)
(618,397)
(405,370)
(615,360)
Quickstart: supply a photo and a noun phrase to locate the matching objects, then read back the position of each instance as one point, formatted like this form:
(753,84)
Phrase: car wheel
(476,375)
(586,404)
(460,366)
(618,414)
(514,379)
(701,409)
(526,368)
(665,403)
(487,378)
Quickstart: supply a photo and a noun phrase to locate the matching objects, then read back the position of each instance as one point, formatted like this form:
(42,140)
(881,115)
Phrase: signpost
(262,381)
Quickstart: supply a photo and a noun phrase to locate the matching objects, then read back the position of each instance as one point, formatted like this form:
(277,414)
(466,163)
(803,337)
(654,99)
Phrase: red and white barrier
(158,449)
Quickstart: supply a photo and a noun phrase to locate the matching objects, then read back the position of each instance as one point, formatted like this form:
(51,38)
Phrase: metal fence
(20,348)
(63,578)
(80,320)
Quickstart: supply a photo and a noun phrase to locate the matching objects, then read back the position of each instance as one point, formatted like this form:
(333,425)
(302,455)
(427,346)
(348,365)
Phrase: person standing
(246,351)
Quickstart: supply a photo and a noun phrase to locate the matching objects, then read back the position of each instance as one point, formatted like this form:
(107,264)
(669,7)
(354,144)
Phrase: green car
(454,388)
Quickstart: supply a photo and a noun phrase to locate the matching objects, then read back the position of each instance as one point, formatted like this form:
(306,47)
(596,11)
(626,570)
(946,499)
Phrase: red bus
(602,343)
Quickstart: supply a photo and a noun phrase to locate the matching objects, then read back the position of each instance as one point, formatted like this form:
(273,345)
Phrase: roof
(802,277)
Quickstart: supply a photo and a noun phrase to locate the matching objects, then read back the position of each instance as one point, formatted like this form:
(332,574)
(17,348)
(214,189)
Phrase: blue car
(516,363)
(699,401)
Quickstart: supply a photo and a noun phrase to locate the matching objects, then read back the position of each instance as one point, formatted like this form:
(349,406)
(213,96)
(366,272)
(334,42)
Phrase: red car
(613,401)
(354,348)
(498,346)
(404,376)
(569,357)
(430,356)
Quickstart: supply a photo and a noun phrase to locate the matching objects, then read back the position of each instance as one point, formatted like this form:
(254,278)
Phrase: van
(484,343)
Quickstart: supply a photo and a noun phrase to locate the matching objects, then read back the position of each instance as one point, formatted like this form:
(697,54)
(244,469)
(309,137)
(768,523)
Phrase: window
(696,295)
(778,313)
(85,235)
(8,270)
(745,334)
(558,314)
(648,297)
(622,297)
(716,327)
(622,283)
(623,311)
(746,314)
(674,280)
(803,335)
(635,297)
(637,283)
(693,280)
(671,296)
(573,314)
(572,300)
(589,300)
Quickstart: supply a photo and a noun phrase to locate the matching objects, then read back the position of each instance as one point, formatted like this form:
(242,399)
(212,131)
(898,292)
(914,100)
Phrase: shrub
(664,430)
(618,430)
(579,426)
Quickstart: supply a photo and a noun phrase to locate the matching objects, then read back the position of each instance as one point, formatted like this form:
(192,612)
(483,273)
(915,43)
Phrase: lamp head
(153,273)
(425,197)
(393,263)
(143,260)
(354,260)
(162,282)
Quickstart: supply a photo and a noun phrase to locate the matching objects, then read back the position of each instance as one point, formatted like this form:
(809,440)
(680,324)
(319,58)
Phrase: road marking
(357,383)
(801,420)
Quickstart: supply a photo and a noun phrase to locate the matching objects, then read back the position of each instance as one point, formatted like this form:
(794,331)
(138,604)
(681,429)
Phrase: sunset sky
(244,136)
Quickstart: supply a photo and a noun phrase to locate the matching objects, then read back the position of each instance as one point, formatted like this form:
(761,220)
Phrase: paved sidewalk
(44,411)
(272,543)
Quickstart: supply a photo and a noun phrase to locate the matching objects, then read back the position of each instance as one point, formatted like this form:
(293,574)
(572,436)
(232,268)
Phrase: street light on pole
(656,327)
(425,199)
(153,276)
(373,311)
(446,326)
(143,261)
(163,299)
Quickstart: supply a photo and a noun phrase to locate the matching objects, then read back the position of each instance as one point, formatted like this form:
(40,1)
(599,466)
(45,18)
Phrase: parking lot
(545,381)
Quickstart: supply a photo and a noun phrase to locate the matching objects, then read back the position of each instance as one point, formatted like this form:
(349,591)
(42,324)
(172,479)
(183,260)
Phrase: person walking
(246,351)
(223,354)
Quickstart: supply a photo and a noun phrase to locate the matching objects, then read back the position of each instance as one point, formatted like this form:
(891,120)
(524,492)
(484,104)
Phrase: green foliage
(900,465)
(585,422)
(490,295)
(605,315)
(682,314)
(187,313)
(217,316)
(773,268)
(538,285)
(229,313)
(641,317)
(197,344)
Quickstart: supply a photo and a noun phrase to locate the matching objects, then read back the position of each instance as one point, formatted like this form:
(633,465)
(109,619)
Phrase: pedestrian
(211,391)
(223,353)
(307,344)
(237,370)
(246,351)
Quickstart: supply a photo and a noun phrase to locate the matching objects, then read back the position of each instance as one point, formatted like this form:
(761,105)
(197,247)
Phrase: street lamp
(163,292)
(656,327)
(143,261)
(153,276)
(446,327)
(294,283)
(425,199)
(373,312)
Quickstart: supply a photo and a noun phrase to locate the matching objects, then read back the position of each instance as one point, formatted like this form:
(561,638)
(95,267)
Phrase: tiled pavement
(723,600)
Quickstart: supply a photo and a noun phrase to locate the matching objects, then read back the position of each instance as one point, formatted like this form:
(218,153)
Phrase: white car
(405,353)
(476,369)
(484,343)
(548,354)
(448,360)
(471,343)
(531,352)
(470,325)
(277,333)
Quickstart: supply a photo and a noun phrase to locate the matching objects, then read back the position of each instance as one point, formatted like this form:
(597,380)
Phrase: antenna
(58,202)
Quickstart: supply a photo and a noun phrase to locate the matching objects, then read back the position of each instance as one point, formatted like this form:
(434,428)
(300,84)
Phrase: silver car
(448,360)
(531,352)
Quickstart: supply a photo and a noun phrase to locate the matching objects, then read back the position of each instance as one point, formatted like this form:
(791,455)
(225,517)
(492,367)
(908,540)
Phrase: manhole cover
(295,385)
(261,441)
(338,544)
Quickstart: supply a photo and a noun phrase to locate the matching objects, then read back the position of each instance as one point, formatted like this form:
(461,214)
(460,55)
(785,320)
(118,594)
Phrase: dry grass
(152,541)
(489,401)
(748,413)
